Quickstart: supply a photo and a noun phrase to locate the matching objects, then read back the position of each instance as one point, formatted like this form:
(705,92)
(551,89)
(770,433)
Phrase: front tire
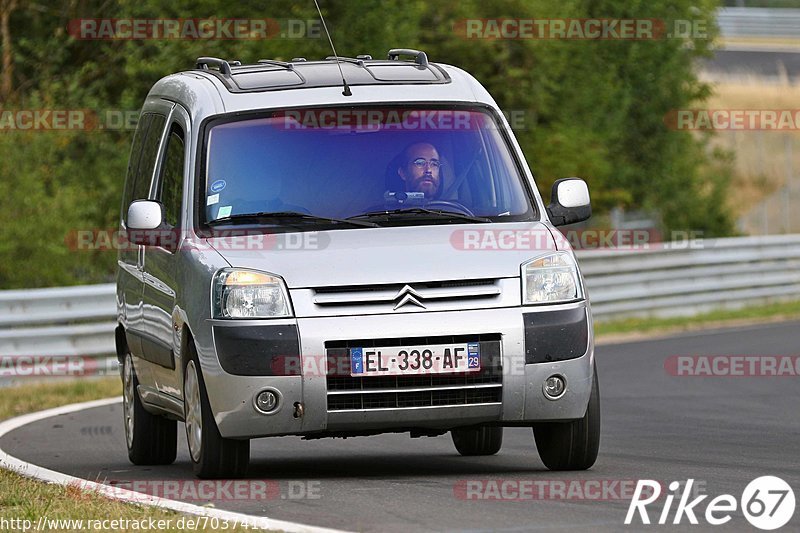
(213,456)
(486,440)
(571,445)
(151,439)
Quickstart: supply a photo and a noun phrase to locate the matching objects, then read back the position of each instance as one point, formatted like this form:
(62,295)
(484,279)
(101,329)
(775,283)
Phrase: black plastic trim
(556,335)
(257,350)
(152,349)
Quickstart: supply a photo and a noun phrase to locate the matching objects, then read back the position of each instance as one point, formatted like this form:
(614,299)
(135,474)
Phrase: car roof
(216,86)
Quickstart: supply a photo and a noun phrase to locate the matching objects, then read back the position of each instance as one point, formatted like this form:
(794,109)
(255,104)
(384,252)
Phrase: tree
(6,8)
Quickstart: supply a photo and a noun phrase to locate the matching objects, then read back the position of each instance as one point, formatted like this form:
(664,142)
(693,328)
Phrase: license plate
(410,360)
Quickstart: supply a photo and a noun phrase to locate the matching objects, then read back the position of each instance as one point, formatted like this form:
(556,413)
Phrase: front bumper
(521,401)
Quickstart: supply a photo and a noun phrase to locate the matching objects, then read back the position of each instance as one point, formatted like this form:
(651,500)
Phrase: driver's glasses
(420,162)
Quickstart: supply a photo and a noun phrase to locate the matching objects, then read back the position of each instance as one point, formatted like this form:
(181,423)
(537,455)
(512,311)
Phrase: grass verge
(26,499)
(761,42)
(642,327)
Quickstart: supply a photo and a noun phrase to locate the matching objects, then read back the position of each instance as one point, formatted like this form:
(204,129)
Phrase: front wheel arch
(572,445)
(121,343)
(217,457)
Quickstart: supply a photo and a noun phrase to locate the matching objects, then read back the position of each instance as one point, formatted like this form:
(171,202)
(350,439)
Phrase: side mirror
(146,225)
(569,202)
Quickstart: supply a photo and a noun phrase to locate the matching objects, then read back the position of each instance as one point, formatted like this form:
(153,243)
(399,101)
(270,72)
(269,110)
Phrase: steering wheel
(459,207)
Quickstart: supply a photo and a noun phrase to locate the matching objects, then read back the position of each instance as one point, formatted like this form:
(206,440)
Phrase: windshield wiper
(294,216)
(438,213)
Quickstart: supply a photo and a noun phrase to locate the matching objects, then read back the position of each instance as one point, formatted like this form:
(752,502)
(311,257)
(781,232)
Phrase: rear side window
(144,174)
(171,187)
(133,163)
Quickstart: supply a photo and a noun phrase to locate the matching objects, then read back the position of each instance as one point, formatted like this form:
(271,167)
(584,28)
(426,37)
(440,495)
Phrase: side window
(133,162)
(144,174)
(170,191)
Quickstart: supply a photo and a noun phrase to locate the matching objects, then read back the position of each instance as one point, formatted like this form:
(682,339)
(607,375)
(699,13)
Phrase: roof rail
(276,63)
(204,63)
(359,62)
(420,58)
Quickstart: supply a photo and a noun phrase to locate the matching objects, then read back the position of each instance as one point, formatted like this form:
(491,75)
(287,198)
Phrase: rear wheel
(486,440)
(212,455)
(151,439)
(571,445)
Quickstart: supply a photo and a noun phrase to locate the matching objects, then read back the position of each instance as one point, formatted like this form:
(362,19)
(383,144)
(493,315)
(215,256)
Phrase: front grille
(395,286)
(432,390)
(398,400)
(392,294)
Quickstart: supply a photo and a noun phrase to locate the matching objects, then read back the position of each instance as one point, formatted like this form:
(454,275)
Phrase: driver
(420,169)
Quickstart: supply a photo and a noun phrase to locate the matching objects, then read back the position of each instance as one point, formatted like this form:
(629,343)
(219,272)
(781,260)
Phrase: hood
(390,255)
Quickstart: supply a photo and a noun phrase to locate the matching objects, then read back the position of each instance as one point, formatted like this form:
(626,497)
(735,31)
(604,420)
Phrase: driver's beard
(429,193)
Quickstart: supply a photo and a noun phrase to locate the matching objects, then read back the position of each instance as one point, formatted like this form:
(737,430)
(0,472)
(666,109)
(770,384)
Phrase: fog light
(267,401)
(554,387)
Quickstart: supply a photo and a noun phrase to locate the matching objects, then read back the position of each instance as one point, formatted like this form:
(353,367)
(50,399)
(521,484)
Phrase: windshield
(420,165)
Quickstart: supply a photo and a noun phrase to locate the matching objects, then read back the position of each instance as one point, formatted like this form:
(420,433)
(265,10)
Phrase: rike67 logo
(767,503)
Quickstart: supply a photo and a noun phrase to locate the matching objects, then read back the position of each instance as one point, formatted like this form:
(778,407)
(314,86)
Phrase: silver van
(325,258)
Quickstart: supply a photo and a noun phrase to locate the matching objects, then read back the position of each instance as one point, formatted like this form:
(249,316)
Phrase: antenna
(346,91)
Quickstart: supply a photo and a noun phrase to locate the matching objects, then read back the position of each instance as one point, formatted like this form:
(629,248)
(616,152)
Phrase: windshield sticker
(213,199)
(224,211)
(218,185)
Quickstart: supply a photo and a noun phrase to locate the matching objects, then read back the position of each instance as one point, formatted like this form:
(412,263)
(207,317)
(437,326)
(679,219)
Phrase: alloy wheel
(193,411)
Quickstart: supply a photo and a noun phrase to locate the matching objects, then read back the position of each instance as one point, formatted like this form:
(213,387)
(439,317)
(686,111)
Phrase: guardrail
(706,275)
(709,274)
(63,321)
(759,22)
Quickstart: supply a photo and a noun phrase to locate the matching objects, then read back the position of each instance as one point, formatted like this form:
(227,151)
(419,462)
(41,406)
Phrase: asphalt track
(771,64)
(720,431)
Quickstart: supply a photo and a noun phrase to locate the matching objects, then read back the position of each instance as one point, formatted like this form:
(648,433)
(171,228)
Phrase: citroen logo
(407,295)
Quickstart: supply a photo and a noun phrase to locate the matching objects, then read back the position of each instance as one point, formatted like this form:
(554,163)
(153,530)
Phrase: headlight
(553,278)
(249,294)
